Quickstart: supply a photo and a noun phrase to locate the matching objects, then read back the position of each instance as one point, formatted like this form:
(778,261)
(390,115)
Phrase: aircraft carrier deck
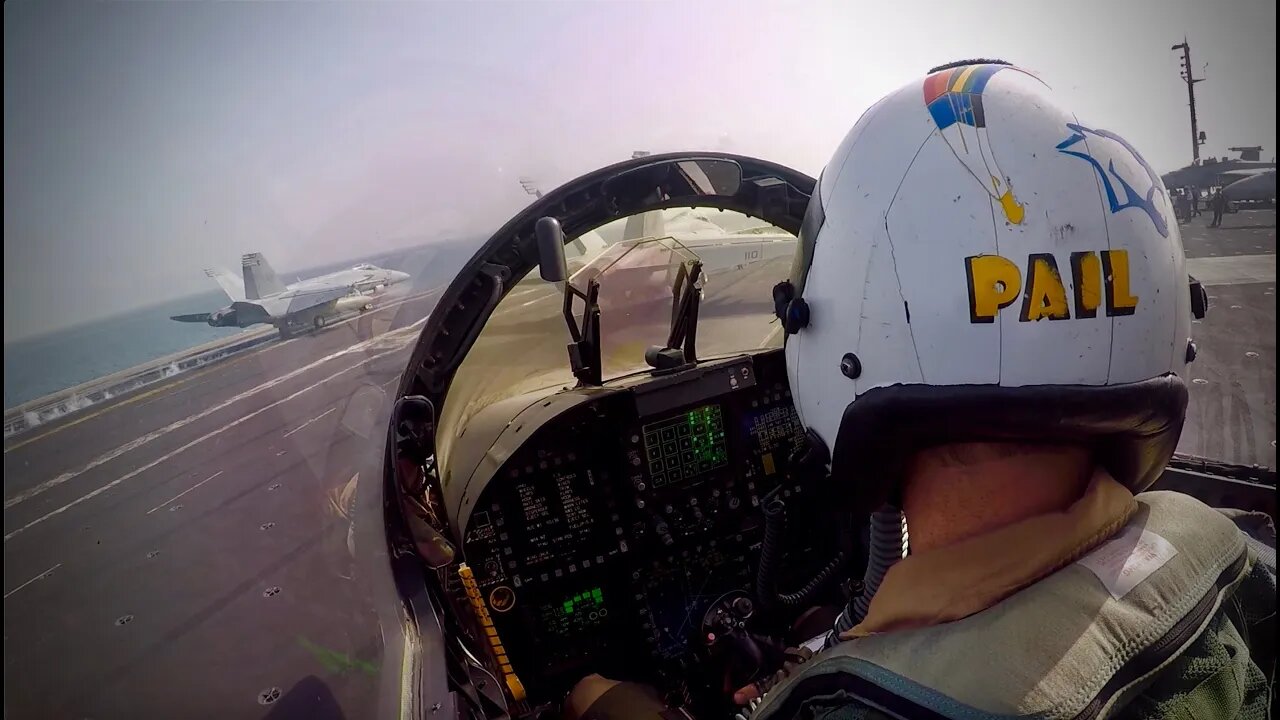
(182,550)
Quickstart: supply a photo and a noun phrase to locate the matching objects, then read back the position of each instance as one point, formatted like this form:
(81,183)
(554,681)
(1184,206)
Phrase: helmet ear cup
(783,293)
(1199,299)
(792,311)
(797,316)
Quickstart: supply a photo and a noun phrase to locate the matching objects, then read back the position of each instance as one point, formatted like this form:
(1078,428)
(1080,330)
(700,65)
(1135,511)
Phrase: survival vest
(1083,642)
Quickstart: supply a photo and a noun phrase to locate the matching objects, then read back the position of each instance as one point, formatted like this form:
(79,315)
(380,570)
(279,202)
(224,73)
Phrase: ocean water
(37,366)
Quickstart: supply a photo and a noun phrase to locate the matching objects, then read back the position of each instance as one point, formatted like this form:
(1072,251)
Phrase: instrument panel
(600,542)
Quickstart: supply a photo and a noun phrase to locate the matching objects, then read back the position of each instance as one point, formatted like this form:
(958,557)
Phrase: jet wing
(295,301)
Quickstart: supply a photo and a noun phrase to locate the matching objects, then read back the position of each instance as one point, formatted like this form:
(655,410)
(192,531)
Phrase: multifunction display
(685,446)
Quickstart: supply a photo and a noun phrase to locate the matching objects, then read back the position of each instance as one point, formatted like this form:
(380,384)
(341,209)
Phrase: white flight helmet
(977,263)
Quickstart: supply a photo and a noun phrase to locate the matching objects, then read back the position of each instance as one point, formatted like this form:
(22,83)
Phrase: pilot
(988,328)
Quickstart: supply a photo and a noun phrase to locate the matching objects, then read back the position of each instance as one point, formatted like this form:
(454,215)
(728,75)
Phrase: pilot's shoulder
(1259,532)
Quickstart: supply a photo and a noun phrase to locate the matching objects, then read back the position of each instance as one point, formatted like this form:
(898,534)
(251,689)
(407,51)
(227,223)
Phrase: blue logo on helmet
(1109,176)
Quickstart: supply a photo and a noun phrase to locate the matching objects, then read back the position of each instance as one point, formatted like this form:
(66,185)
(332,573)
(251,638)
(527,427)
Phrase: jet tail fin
(228,282)
(588,245)
(259,279)
(645,225)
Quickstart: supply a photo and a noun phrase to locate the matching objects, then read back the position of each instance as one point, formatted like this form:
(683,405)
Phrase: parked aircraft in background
(1258,187)
(1219,172)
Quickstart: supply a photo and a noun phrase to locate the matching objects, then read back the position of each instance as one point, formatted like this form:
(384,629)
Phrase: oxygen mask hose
(888,545)
(775,526)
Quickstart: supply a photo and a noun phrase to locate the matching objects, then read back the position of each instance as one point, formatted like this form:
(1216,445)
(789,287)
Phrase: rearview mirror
(669,180)
(551,262)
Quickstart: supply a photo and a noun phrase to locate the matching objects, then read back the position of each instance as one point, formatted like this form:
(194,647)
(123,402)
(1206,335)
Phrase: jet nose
(397,276)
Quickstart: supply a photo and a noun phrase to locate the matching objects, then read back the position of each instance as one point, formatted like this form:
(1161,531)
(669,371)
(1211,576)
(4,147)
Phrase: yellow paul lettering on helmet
(994,283)
(1115,269)
(1096,278)
(1046,297)
(1086,279)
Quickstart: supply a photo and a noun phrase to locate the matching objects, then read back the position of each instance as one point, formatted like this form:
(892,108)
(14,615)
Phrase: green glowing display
(584,602)
(685,446)
(706,434)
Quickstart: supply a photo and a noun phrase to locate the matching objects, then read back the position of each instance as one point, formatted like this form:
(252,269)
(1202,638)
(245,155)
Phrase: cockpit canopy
(630,227)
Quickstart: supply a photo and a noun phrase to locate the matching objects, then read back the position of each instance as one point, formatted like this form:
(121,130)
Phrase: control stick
(745,656)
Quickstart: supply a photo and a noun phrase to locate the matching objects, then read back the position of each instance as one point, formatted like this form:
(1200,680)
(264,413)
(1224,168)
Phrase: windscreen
(636,261)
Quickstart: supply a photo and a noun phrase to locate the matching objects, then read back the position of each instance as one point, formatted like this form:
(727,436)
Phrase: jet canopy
(635,229)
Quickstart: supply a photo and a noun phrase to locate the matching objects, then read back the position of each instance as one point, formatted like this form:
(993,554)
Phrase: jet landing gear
(301,326)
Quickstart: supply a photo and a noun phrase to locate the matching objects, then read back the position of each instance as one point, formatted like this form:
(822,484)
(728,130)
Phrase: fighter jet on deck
(262,298)
(1258,186)
(1221,172)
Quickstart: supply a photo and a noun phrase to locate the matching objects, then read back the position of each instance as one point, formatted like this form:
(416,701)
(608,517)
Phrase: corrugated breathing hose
(888,545)
(775,525)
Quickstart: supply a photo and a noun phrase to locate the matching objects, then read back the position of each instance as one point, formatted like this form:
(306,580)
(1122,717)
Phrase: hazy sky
(145,140)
